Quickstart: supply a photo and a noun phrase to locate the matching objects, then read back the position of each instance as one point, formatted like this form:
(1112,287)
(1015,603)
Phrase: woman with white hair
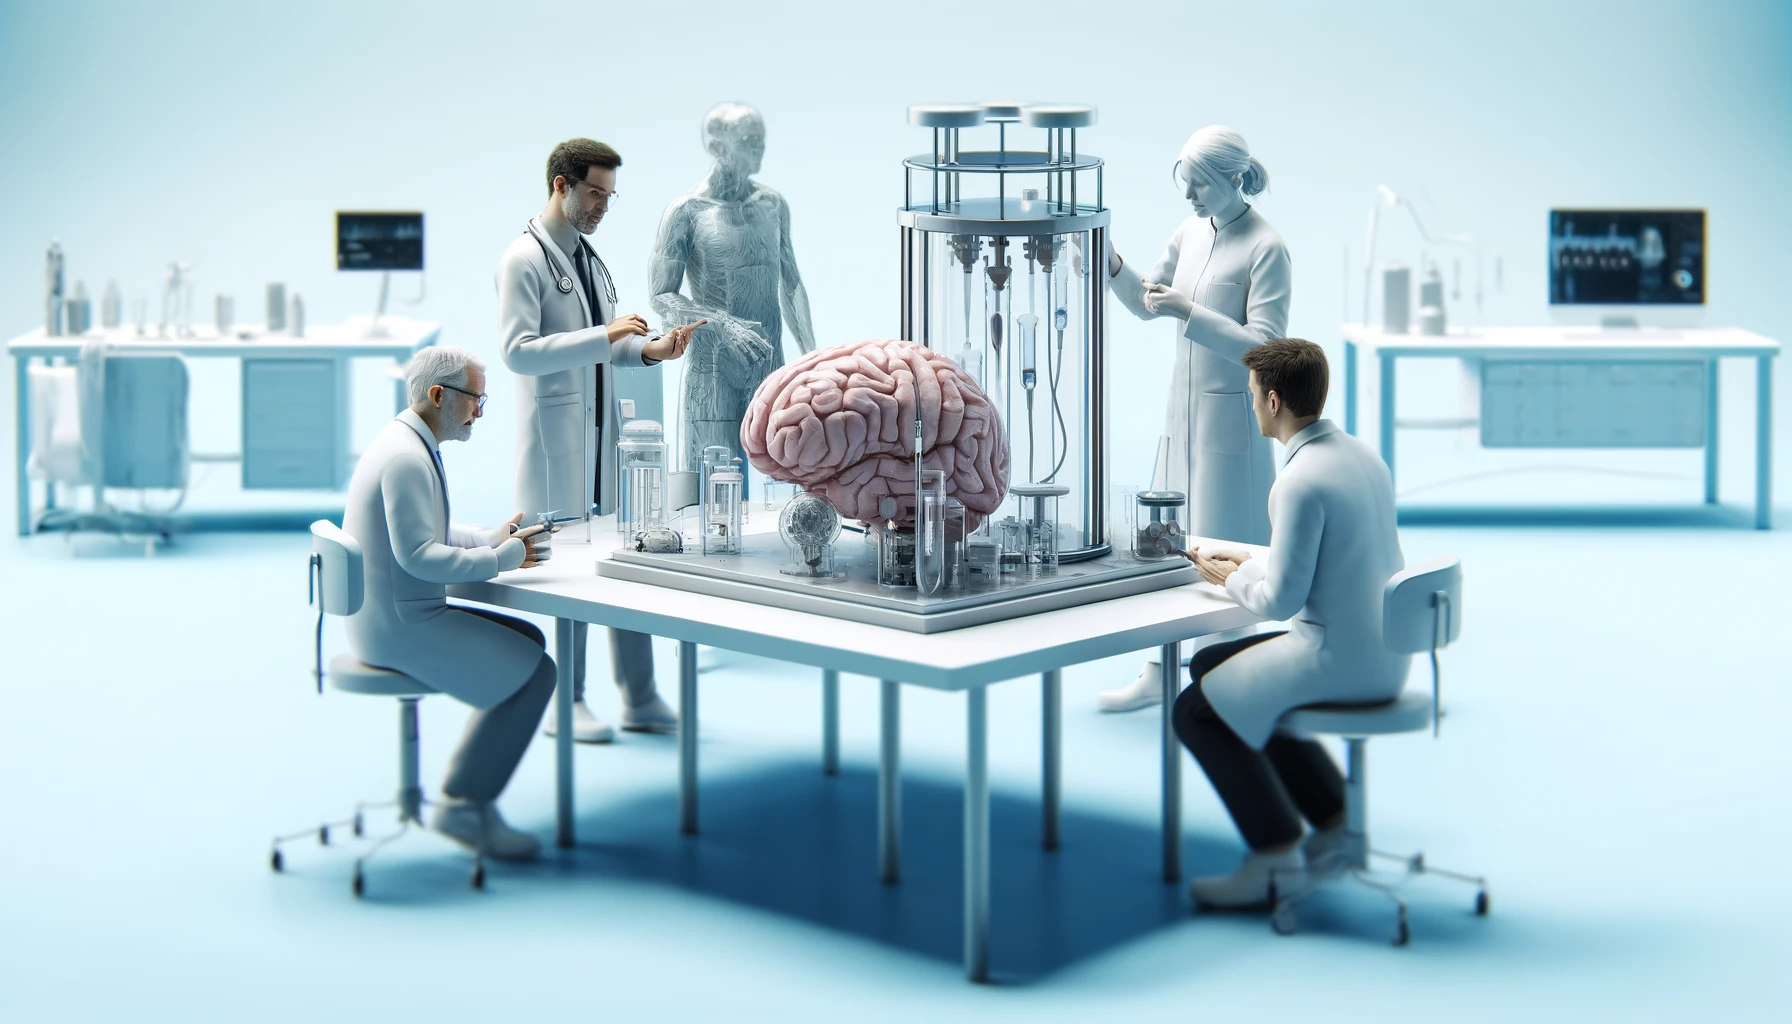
(1226,276)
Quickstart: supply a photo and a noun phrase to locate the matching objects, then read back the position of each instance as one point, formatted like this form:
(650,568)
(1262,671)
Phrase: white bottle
(297,318)
(111,307)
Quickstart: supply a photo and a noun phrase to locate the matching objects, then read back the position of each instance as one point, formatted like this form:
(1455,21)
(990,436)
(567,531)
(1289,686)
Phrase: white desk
(1592,344)
(969,660)
(338,342)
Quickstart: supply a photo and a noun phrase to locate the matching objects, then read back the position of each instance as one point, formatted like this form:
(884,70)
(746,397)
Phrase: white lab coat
(1332,550)
(410,552)
(553,343)
(1239,278)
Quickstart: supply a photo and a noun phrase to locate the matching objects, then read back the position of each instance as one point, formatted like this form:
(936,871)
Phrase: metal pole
(1387,411)
(1764,443)
(976,835)
(410,788)
(22,440)
(830,722)
(687,737)
(1168,658)
(1052,719)
(889,783)
(563,684)
(1711,368)
(1350,388)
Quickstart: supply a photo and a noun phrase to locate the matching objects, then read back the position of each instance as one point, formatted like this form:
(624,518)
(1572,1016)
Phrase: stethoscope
(563,279)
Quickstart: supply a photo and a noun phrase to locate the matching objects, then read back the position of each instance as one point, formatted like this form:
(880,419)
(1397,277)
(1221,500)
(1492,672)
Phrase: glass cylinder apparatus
(895,556)
(1001,254)
(722,511)
(642,452)
(1037,536)
(809,527)
(1157,530)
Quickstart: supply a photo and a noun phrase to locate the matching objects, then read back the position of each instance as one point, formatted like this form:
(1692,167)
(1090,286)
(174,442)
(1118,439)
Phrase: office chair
(337,589)
(1421,612)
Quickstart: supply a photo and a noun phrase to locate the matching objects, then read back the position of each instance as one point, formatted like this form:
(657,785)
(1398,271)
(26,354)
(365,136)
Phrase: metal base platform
(756,576)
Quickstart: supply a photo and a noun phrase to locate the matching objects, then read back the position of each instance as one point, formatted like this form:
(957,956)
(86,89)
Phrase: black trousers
(1266,791)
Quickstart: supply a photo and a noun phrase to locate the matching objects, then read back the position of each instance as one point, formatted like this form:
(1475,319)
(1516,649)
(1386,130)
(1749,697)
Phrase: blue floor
(1613,759)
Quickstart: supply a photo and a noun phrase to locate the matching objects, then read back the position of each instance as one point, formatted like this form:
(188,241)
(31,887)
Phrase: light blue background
(1613,759)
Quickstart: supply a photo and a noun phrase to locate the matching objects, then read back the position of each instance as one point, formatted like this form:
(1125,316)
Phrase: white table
(968,660)
(1564,343)
(401,338)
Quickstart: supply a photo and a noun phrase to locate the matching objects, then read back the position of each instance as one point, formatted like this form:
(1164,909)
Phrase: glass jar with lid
(1157,530)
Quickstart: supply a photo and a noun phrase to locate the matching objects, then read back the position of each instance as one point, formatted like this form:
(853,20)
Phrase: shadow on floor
(1708,517)
(787,840)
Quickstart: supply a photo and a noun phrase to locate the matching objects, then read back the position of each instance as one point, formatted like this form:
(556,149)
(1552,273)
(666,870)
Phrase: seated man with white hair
(398,511)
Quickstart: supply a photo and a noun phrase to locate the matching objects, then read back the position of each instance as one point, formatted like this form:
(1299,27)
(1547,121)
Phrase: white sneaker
(654,716)
(586,727)
(480,828)
(1332,849)
(1147,690)
(1248,888)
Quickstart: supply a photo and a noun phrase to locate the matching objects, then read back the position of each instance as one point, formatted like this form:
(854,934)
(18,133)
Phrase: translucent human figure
(728,239)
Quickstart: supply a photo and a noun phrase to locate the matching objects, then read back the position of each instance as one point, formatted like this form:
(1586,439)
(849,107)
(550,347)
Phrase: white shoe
(654,716)
(1145,691)
(1248,888)
(586,727)
(480,828)
(1332,849)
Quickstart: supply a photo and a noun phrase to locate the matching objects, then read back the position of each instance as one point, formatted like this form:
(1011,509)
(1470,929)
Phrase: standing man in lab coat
(1332,547)
(560,334)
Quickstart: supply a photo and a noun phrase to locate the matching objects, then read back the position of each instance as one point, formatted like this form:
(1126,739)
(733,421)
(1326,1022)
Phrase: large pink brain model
(841,422)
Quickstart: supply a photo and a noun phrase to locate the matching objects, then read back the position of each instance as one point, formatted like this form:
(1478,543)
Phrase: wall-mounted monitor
(379,241)
(1627,257)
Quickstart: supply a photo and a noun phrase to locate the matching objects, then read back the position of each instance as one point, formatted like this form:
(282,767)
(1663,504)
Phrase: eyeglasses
(475,397)
(598,195)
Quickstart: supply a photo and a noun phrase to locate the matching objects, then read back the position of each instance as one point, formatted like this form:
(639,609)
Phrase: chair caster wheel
(360,883)
(1283,919)
(277,862)
(1402,934)
(360,826)
(1481,903)
(323,835)
(479,878)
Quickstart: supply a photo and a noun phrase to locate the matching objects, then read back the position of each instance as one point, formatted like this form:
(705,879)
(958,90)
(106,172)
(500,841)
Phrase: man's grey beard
(582,222)
(455,430)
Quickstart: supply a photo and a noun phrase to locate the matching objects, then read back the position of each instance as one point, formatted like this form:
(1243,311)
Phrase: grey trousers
(631,663)
(496,738)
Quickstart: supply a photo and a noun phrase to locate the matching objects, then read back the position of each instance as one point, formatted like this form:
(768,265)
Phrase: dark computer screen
(379,241)
(1627,257)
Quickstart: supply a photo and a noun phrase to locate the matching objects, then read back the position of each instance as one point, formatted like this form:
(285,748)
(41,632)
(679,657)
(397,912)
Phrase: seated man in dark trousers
(1332,548)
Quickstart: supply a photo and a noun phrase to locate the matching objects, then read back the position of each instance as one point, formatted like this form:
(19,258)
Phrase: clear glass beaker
(1157,530)
(722,511)
(895,556)
(1037,536)
(642,452)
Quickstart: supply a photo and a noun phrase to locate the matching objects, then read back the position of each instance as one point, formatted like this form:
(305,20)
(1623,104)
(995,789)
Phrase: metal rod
(1711,366)
(1764,443)
(22,440)
(1095,411)
(830,722)
(687,737)
(889,783)
(1073,170)
(1168,658)
(1386,426)
(410,788)
(936,170)
(1052,720)
(563,687)
(976,835)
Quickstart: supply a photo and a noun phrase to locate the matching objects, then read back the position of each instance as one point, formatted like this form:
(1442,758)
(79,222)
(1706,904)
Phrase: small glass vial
(643,454)
(722,508)
(1157,530)
(1037,536)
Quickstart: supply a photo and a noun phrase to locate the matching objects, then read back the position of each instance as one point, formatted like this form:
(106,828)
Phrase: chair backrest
(1421,607)
(336,558)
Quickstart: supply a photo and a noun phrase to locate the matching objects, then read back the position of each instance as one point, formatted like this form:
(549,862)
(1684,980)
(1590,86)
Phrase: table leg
(976,835)
(563,685)
(1764,443)
(830,722)
(687,737)
(1387,412)
(889,783)
(1168,658)
(22,439)
(1711,368)
(1052,719)
(1350,388)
